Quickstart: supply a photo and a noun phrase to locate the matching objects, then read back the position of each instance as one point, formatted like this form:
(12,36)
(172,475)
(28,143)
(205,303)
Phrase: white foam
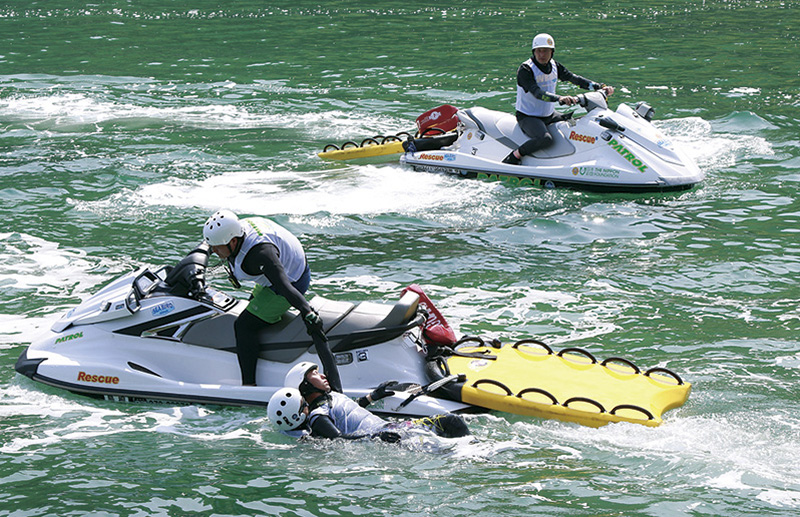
(712,148)
(780,498)
(734,451)
(40,268)
(64,111)
(80,420)
(368,190)
(15,329)
(29,262)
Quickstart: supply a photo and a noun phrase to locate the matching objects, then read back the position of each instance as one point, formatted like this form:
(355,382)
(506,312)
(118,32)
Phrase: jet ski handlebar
(590,100)
(188,277)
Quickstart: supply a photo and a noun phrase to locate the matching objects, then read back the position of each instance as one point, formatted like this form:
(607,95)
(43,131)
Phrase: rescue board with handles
(367,151)
(529,378)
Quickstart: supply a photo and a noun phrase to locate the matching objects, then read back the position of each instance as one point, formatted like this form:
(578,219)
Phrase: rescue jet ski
(603,150)
(163,335)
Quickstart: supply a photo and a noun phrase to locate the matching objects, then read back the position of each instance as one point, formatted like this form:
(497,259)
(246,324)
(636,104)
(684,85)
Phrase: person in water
(536,96)
(307,406)
(259,250)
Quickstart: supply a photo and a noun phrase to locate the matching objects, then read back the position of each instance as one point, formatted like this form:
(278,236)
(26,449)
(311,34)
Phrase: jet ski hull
(188,355)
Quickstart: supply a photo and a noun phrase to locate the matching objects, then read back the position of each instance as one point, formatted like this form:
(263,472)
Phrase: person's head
(287,410)
(223,232)
(307,378)
(543,48)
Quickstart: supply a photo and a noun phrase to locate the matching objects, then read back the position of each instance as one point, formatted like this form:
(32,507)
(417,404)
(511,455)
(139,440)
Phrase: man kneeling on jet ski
(308,407)
(259,250)
(536,86)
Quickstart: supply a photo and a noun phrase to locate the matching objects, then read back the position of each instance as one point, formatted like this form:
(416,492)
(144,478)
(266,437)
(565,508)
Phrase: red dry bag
(436,330)
(438,120)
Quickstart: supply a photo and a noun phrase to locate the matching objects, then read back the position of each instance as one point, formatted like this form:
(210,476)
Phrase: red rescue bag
(436,330)
(437,120)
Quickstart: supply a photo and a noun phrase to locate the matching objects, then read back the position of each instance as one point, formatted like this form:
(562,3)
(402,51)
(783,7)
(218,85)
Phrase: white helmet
(297,375)
(221,227)
(285,409)
(543,40)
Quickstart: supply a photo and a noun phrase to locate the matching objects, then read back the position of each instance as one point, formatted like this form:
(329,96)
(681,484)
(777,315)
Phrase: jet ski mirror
(645,110)
(592,100)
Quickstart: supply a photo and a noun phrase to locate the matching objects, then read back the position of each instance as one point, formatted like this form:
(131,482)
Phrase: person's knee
(240,326)
(535,144)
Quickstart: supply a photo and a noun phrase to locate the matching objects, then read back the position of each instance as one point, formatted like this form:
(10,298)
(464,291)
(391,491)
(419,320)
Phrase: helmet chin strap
(306,388)
(232,252)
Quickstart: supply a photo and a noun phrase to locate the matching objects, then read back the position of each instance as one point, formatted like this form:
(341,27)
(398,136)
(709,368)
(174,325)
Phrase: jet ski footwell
(529,378)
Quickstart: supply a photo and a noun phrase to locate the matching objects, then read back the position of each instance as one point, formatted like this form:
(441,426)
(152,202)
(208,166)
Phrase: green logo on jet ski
(621,149)
(509,180)
(70,337)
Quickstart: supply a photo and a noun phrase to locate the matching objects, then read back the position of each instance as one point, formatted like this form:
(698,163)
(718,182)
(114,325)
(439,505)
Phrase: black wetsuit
(263,259)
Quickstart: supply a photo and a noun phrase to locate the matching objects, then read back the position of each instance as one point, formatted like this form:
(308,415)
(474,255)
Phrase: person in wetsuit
(259,250)
(326,413)
(536,96)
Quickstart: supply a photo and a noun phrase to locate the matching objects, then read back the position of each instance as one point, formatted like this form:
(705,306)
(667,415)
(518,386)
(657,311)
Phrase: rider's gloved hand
(567,100)
(313,322)
(388,436)
(198,288)
(383,390)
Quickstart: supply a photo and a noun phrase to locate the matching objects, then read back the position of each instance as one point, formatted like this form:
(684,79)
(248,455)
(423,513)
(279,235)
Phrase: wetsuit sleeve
(264,260)
(322,427)
(527,81)
(577,80)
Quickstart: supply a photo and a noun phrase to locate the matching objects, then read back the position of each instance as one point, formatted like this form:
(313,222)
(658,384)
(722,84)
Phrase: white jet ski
(149,337)
(603,150)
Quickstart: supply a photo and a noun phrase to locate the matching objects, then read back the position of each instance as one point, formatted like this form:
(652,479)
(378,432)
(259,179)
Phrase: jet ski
(163,335)
(602,150)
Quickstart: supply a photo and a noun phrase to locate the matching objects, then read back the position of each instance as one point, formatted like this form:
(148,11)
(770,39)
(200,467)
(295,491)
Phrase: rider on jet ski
(308,407)
(259,250)
(536,86)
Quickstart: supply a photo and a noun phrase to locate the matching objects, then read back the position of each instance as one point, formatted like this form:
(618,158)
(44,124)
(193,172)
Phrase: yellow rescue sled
(529,378)
(431,126)
(388,150)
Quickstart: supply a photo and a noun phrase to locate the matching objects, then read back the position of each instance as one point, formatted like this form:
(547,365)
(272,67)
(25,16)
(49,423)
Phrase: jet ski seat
(503,127)
(346,325)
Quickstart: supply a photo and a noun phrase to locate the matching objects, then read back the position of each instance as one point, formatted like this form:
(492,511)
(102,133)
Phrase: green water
(124,124)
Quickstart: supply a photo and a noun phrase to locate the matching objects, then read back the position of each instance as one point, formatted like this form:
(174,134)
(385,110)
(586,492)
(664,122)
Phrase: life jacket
(259,230)
(348,417)
(530,105)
